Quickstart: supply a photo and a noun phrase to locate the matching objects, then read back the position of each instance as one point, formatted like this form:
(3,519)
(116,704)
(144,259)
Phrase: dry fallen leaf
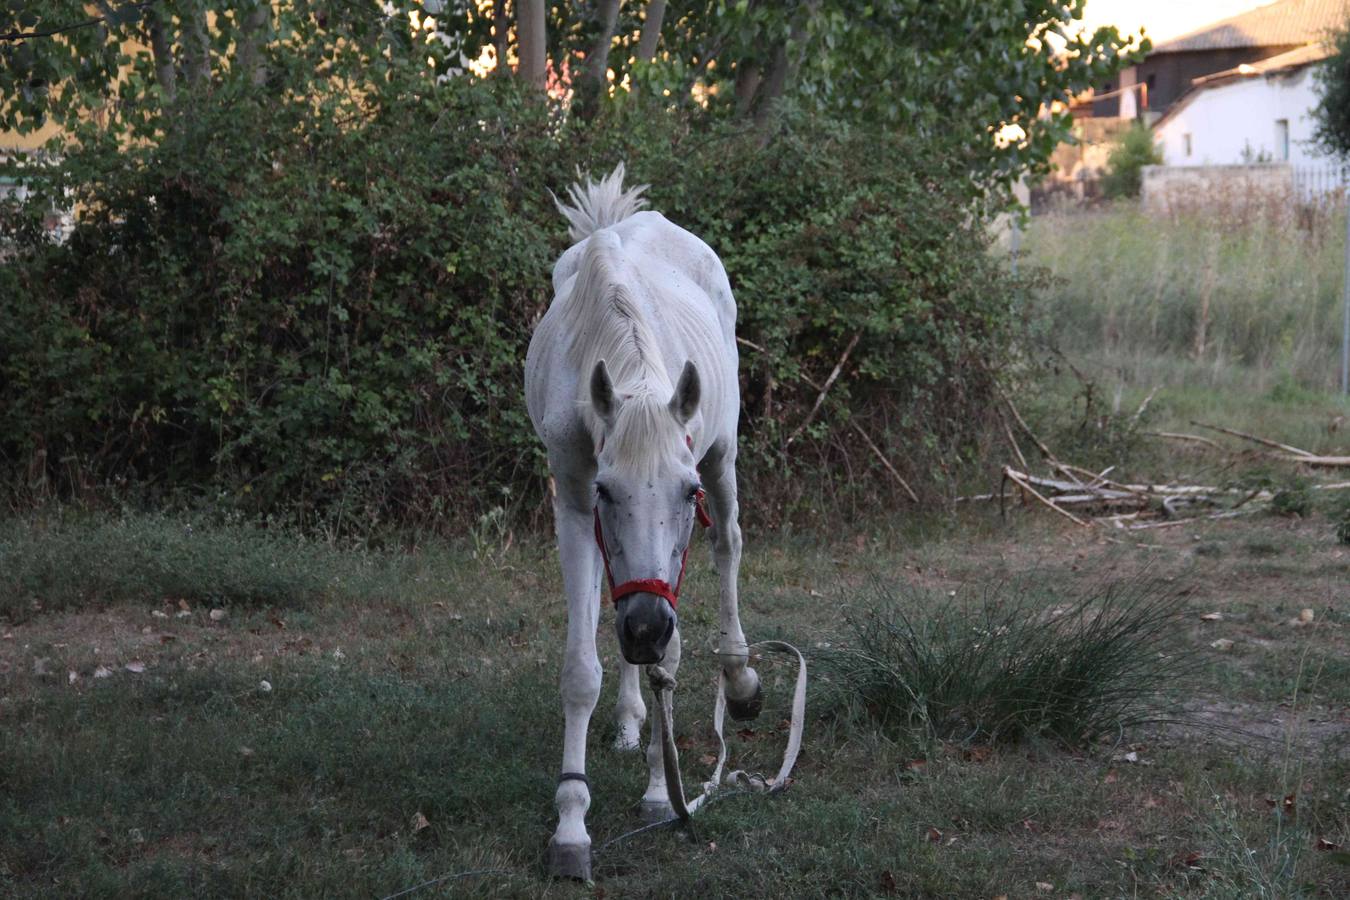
(1222,644)
(419,822)
(102,672)
(159,614)
(1305,616)
(136,666)
(917,765)
(265,686)
(1324,844)
(183,605)
(1212,617)
(217,615)
(1044,886)
(1111,776)
(72,677)
(934,836)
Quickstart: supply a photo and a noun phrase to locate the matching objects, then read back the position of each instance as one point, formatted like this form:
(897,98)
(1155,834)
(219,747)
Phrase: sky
(1163,19)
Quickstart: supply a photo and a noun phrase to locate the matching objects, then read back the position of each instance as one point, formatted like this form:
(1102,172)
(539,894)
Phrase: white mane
(599,204)
(609,324)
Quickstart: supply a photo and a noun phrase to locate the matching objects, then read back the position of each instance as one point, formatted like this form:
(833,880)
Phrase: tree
(1332,113)
(1125,166)
(970,68)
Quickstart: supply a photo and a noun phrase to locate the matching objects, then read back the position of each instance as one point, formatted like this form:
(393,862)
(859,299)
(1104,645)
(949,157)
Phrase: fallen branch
(1018,479)
(1138,413)
(825,388)
(1194,438)
(1251,437)
(886,462)
(1320,462)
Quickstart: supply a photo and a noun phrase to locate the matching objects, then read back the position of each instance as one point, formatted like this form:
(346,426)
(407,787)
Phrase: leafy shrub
(1339,514)
(1124,167)
(1015,663)
(278,309)
(1293,500)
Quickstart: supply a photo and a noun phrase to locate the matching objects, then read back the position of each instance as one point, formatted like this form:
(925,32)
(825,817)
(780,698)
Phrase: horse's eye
(602,492)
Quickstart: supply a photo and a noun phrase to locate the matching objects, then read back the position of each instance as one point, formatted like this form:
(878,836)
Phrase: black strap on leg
(574,776)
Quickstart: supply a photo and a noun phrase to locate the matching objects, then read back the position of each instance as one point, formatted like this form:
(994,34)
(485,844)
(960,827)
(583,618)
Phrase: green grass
(437,694)
(1204,292)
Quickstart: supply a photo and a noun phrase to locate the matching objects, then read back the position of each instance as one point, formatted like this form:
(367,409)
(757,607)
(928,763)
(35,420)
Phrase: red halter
(650,585)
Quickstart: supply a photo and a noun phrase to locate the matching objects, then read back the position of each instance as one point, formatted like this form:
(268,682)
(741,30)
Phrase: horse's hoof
(654,811)
(749,708)
(569,861)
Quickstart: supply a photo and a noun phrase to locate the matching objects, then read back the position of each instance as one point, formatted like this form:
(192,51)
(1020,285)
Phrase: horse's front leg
(570,848)
(629,711)
(656,801)
(744,696)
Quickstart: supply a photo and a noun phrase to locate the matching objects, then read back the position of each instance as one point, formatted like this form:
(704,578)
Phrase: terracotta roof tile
(1284,23)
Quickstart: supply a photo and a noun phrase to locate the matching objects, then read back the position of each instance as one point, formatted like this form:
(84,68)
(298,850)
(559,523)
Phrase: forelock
(645,437)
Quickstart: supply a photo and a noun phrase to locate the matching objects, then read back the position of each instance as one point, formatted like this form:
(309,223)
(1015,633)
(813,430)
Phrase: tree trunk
(651,30)
(501,38)
(161,46)
(252,31)
(773,83)
(196,46)
(531,40)
(593,84)
(748,77)
(783,69)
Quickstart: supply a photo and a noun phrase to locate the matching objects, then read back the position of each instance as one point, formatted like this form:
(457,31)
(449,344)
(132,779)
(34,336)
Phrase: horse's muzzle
(645,624)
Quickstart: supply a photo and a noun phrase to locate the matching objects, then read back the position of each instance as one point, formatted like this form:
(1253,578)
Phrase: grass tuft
(1016,663)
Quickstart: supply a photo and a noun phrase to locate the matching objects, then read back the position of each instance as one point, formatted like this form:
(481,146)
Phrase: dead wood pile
(1092,499)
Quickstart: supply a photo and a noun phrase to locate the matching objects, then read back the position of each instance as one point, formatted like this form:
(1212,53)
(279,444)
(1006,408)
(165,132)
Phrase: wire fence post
(1345,300)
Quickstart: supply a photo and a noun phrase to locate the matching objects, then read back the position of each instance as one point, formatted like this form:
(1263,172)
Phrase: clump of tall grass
(1016,662)
(1203,284)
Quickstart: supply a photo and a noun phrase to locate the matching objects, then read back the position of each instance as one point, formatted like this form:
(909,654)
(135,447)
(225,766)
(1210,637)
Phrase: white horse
(631,384)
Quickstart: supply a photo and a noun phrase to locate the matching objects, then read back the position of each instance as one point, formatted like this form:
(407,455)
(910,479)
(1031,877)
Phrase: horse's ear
(602,394)
(684,403)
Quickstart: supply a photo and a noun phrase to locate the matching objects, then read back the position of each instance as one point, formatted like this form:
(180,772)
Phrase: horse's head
(646,492)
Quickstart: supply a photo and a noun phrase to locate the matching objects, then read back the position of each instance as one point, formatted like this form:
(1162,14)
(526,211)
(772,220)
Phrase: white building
(1256,112)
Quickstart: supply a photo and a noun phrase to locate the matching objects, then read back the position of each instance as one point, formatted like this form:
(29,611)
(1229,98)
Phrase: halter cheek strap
(650,585)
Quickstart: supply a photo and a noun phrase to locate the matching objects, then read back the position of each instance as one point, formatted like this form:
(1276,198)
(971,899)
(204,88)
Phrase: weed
(1018,662)
(1294,499)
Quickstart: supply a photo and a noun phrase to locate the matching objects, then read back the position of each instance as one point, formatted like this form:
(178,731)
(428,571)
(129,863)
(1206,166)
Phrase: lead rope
(663,688)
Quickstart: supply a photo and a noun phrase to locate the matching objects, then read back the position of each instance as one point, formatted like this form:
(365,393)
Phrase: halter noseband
(650,585)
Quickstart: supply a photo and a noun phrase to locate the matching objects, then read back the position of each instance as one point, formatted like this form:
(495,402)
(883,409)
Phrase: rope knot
(660,679)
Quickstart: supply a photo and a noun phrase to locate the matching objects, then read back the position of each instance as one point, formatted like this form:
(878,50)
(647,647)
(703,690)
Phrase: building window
(1282,140)
(1186,144)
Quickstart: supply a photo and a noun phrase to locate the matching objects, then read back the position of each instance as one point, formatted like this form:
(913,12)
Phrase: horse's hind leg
(630,710)
(744,697)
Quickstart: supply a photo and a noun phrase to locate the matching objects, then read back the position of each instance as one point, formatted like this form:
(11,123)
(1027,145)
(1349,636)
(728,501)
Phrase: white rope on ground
(663,687)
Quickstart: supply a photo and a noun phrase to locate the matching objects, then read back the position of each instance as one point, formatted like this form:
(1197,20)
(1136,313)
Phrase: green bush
(283,311)
(1124,167)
